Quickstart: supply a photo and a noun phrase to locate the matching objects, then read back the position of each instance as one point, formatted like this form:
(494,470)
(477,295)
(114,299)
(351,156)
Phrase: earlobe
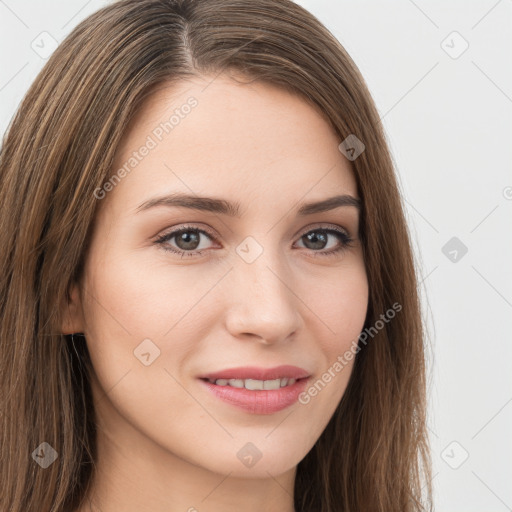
(71,312)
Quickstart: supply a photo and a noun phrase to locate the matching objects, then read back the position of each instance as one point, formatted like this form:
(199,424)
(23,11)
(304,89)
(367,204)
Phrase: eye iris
(319,239)
(187,237)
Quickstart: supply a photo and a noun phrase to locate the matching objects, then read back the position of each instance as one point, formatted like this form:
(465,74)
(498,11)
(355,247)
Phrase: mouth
(255,384)
(257,390)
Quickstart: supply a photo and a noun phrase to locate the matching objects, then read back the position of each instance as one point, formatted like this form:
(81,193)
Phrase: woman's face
(251,281)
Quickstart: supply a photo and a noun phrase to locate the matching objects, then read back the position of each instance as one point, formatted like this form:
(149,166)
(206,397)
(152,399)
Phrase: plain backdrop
(441,76)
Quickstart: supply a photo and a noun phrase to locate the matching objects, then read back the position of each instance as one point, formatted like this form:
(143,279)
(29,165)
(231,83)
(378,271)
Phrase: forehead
(217,136)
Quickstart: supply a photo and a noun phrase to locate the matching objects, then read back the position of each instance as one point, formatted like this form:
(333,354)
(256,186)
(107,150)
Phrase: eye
(187,241)
(318,238)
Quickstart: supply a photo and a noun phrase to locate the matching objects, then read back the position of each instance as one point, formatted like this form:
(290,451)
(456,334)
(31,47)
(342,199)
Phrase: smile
(254,384)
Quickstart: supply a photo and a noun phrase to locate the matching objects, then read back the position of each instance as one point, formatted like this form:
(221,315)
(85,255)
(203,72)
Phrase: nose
(261,303)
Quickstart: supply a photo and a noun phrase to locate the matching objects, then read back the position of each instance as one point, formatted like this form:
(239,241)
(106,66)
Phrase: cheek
(339,301)
(142,328)
(135,308)
(339,306)
(147,297)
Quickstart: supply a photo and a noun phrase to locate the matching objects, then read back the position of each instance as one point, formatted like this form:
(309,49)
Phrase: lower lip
(259,401)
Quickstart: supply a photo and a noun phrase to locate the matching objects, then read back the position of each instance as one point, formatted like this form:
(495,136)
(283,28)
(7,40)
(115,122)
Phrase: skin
(165,443)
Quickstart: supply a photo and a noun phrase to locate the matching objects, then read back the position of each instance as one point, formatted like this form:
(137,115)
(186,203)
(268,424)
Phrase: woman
(208,293)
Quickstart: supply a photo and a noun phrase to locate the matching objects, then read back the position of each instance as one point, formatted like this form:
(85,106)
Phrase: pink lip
(253,372)
(258,401)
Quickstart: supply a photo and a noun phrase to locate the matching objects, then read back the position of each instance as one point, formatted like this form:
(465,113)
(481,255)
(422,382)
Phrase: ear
(71,312)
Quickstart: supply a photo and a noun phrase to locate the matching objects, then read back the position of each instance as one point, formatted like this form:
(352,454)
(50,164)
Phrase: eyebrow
(221,206)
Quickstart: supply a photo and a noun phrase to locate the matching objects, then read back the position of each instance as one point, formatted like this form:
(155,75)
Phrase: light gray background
(448,120)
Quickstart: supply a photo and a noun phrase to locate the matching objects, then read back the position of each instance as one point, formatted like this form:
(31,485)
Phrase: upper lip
(256,373)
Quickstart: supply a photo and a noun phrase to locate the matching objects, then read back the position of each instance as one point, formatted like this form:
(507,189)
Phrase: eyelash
(345,238)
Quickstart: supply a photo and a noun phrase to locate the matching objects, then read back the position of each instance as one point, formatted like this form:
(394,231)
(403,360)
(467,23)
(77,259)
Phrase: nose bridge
(262,302)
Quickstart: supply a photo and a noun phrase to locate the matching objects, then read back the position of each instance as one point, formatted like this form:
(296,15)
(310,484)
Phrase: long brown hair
(373,455)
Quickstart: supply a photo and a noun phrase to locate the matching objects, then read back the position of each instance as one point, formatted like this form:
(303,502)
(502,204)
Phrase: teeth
(236,383)
(253,384)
